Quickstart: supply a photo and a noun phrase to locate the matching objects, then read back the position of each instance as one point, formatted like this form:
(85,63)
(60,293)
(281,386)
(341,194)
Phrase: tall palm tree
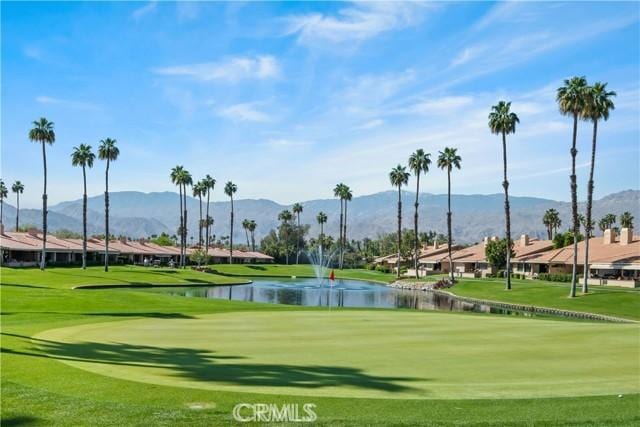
(297,210)
(176,178)
(419,162)
(107,150)
(4,193)
(571,99)
(502,121)
(43,133)
(17,188)
(449,159)
(252,229)
(285,216)
(599,104)
(399,177)
(626,220)
(84,157)
(322,220)
(187,180)
(245,225)
(230,189)
(338,191)
(210,183)
(347,195)
(199,189)
(551,220)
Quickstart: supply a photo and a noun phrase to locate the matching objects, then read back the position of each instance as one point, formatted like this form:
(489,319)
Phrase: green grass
(39,389)
(619,302)
(278,270)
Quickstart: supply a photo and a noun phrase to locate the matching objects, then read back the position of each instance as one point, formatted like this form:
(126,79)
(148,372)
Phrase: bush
(442,284)
(555,277)
(382,268)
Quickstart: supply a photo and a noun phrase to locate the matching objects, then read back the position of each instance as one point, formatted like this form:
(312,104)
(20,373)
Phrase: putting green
(385,354)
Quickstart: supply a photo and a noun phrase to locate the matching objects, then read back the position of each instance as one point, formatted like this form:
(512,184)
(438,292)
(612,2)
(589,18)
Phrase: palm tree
(108,151)
(609,220)
(252,229)
(17,188)
(4,193)
(285,216)
(83,156)
(186,180)
(199,189)
(347,195)
(599,104)
(399,177)
(419,163)
(210,183)
(626,220)
(176,178)
(449,159)
(571,99)
(43,133)
(503,122)
(245,225)
(551,219)
(338,191)
(322,220)
(229,189)
(297,210)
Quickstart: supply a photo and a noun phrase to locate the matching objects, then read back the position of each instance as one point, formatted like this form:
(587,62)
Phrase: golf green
(374,354)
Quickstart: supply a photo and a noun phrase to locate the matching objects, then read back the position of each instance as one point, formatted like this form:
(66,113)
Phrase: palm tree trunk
(231,235)
(449,237)
(106,217)
(246,233)
(253,241)
(181,227)
(344,239)
(574,208)
(206,250)
(84,219)
(399,229)
(298,240)
(415,227)
(43,259)
(507,215)
(184,230)
(2,210)
(321,236)
(585,284)
(17,211)
(200,223)
(340,231)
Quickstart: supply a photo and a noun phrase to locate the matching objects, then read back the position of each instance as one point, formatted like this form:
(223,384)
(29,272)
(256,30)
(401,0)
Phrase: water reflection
(343,293)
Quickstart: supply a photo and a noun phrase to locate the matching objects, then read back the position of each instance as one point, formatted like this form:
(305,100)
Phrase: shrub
(382,268)
(555,277)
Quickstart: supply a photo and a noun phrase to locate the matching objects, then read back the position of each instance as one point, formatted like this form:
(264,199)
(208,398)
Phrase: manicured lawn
(278,270)
(39,389)
(619,302)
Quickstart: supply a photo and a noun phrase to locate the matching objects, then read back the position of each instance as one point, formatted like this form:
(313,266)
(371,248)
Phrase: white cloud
(360,21)
(231,69)
(467,55)
(144,10)
(441,105)
(371,124)
(81,105)
(245,112)
(286,143)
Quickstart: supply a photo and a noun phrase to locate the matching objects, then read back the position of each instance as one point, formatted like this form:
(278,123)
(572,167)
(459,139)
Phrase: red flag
(332,276)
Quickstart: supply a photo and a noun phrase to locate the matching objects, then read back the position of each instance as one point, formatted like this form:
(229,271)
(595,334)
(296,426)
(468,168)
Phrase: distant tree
(164,240)
(551,220)
(322,220)
(43,133)
(64,233)
(198,256)
(399,177)
(572,98)
(210,183)
(4,193)
(252,229)
(626,220)
(199,190)
(449,159)
(107,150)
(502,121)
(83,156)
(177,177)
(230,189)
(419,162)
(497,254)
(297,210)
(17,188)
(347,195)
(597,107)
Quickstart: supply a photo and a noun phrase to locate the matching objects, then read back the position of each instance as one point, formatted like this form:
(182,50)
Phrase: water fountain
(320,263)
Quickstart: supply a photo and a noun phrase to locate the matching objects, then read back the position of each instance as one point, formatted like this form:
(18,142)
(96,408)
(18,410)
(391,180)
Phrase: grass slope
(38,389)
(277,270)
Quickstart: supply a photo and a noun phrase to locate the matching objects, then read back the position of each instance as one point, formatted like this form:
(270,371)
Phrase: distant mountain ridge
(138,214)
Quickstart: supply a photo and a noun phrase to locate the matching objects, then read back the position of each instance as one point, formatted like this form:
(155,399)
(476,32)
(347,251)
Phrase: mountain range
(137,214)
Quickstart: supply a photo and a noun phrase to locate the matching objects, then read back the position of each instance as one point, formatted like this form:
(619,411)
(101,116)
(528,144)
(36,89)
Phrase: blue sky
(287,99)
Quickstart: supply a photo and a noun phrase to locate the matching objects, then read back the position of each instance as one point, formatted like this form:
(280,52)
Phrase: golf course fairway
(359,354)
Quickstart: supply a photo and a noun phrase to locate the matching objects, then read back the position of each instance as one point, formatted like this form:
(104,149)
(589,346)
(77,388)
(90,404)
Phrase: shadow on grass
(23,286)
(19,420)
(151,314)
(207,367)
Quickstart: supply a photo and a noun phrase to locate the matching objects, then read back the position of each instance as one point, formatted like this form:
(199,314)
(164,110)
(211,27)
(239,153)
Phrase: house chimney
(494,238)
(626,236)
(609,236)
(524,240)
(33,232)
(123,239)
(436,245)
(485,240)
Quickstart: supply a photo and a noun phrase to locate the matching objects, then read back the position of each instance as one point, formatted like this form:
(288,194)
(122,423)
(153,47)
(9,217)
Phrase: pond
(343,293)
